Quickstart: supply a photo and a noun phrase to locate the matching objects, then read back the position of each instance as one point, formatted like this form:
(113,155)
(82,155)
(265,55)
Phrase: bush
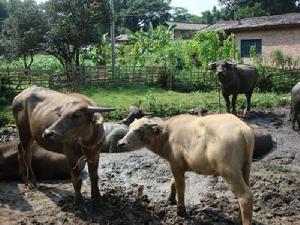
(6,97)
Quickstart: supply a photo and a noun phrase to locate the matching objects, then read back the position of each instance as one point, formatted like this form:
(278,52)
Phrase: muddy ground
(275,181)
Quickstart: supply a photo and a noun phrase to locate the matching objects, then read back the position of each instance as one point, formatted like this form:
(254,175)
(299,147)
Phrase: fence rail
(171,78)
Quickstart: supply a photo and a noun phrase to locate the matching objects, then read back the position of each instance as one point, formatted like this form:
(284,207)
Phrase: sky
(194,6)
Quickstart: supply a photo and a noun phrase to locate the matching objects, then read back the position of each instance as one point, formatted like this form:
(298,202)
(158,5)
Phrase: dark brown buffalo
(295,105)
(68,124)
(234,80)
(46,165)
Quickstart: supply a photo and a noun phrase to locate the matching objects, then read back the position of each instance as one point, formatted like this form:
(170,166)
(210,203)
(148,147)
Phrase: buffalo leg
(178,175)
(248,101)
(298,121)
(76,178)
(233,102)
(172,196)
(294,115)
(93,161)
(25,158)
(227,101)
(244,195)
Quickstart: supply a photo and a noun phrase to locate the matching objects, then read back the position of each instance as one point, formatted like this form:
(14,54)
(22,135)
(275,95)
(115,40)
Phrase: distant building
(185,30)
(267,33)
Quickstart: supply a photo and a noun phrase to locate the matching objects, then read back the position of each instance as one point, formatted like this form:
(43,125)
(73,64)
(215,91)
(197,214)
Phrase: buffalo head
(134,112)
(223,70)
(141,133)
(75,120)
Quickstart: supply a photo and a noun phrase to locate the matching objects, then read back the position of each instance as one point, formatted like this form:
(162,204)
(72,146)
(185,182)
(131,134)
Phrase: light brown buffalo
(69,124)
(219,145)
(46,165)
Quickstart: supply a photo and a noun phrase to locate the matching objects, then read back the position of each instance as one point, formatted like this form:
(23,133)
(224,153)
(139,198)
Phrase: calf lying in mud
(218,145)
(46,165)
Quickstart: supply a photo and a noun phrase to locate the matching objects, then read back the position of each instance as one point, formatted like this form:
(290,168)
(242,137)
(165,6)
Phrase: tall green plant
(209,47)
(150,42)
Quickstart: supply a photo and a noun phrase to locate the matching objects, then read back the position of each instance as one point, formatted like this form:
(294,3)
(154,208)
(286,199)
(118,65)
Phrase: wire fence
(280,80)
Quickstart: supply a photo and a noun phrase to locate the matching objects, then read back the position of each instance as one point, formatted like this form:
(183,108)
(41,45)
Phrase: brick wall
(285,39)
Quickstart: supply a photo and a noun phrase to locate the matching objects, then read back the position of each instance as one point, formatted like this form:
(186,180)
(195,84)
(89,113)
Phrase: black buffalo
(113,133)
(134,112)
(234,80)
(295,105)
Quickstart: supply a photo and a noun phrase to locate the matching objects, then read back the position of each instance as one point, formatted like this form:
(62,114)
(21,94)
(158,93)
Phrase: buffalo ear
(156,129)
(97,118)
(211,66)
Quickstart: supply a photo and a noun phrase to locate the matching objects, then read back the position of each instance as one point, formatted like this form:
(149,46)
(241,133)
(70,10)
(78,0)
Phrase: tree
(150,42)
(248,11)
(3,12)
(181,14)
(133,14)
(209,48)
(270,6)
(73,25)
(210,17)
(23,31)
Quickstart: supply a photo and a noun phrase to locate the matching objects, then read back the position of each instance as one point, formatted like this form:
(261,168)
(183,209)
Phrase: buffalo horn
(94,109)
(148,113)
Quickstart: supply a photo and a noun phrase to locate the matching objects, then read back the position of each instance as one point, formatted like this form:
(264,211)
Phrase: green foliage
(72,25)
(6,96)
(167,103)
(244,7)
(210,17)
(23,31)
(150,42)
(3,13)
(209,48)
(249,11)
(279,59)
(41,62)
(255,58)
(101,53)
(131,14)
(181,14)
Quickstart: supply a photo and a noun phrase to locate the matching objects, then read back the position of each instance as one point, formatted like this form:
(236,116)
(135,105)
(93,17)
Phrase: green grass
(6,116)
(167,103)
(40,61)
(161,102)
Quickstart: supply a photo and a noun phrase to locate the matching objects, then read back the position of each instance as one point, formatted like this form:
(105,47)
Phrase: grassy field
(164,103)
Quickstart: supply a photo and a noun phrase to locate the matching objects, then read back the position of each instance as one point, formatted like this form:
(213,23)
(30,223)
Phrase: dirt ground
(275,181)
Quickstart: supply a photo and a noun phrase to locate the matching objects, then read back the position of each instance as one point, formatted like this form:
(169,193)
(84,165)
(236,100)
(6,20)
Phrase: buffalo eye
(75,116)
(139,133)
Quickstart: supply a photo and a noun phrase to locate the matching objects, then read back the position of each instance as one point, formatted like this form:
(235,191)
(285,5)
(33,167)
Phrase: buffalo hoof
(172,201)
(32,185)
(181,211)
(96,197)
(96,202)
(81,210)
